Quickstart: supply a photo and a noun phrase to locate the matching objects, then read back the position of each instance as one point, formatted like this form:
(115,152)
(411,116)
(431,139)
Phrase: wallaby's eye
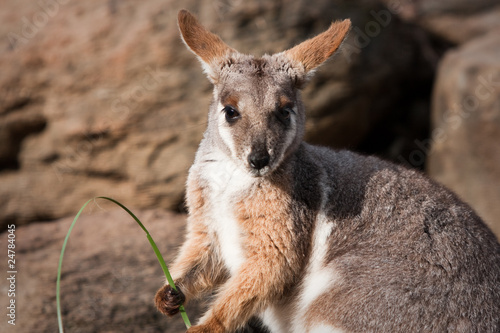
(284,115)
(231,114)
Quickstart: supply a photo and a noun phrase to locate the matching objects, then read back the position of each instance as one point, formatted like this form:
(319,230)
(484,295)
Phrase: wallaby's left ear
(313,52)
(209,48)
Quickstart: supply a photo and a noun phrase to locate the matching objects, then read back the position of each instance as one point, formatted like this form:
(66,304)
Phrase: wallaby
(311,239)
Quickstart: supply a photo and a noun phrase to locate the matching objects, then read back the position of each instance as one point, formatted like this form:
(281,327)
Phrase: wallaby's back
(410,256)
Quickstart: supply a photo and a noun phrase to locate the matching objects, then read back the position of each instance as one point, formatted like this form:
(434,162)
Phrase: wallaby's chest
(227,187)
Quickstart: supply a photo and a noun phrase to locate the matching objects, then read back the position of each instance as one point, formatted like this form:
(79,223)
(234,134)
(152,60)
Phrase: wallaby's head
(256,116)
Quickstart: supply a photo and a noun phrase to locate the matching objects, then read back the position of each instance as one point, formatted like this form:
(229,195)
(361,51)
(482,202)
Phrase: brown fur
(315,51)
(268,245)
(231,100)
(206,45)
(284,101)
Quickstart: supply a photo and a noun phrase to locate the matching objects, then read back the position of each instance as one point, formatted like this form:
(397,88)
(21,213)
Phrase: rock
(465,154)
(16,126)
(456,21)
(110,273)
(112,103)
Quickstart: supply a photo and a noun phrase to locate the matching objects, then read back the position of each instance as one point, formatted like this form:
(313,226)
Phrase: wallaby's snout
(258,159)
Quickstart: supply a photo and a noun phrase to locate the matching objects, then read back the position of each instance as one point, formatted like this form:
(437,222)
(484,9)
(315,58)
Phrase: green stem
(151,241)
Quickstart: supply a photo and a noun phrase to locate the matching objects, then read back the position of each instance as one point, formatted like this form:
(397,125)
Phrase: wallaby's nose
(258,159)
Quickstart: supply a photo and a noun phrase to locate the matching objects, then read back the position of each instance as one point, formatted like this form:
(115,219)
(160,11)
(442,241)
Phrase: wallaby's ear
(313,52)
(209,48)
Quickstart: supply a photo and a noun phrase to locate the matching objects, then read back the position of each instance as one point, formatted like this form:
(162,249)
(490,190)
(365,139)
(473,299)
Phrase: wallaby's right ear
(208,47)
(313,52)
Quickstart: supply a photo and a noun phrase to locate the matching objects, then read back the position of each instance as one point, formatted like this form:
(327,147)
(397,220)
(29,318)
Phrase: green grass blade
(59,268)
(151,241)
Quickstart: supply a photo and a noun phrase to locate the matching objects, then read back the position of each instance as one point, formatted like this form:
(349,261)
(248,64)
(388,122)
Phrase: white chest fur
(227,185)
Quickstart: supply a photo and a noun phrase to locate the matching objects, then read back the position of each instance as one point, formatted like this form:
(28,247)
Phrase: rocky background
(102,98)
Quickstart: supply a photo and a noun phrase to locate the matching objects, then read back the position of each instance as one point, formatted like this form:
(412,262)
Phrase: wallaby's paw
(168,300)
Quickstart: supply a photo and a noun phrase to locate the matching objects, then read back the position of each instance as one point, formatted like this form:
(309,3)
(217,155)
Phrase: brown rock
(465,153)
(14,127)
(456,21)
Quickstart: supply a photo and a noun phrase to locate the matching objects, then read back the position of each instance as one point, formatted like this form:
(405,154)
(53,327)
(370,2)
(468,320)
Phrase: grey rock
(465,154)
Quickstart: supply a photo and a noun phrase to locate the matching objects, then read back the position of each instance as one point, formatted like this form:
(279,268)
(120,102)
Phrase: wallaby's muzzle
(258,159)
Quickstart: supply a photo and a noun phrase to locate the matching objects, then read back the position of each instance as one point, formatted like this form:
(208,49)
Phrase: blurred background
(102,98)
